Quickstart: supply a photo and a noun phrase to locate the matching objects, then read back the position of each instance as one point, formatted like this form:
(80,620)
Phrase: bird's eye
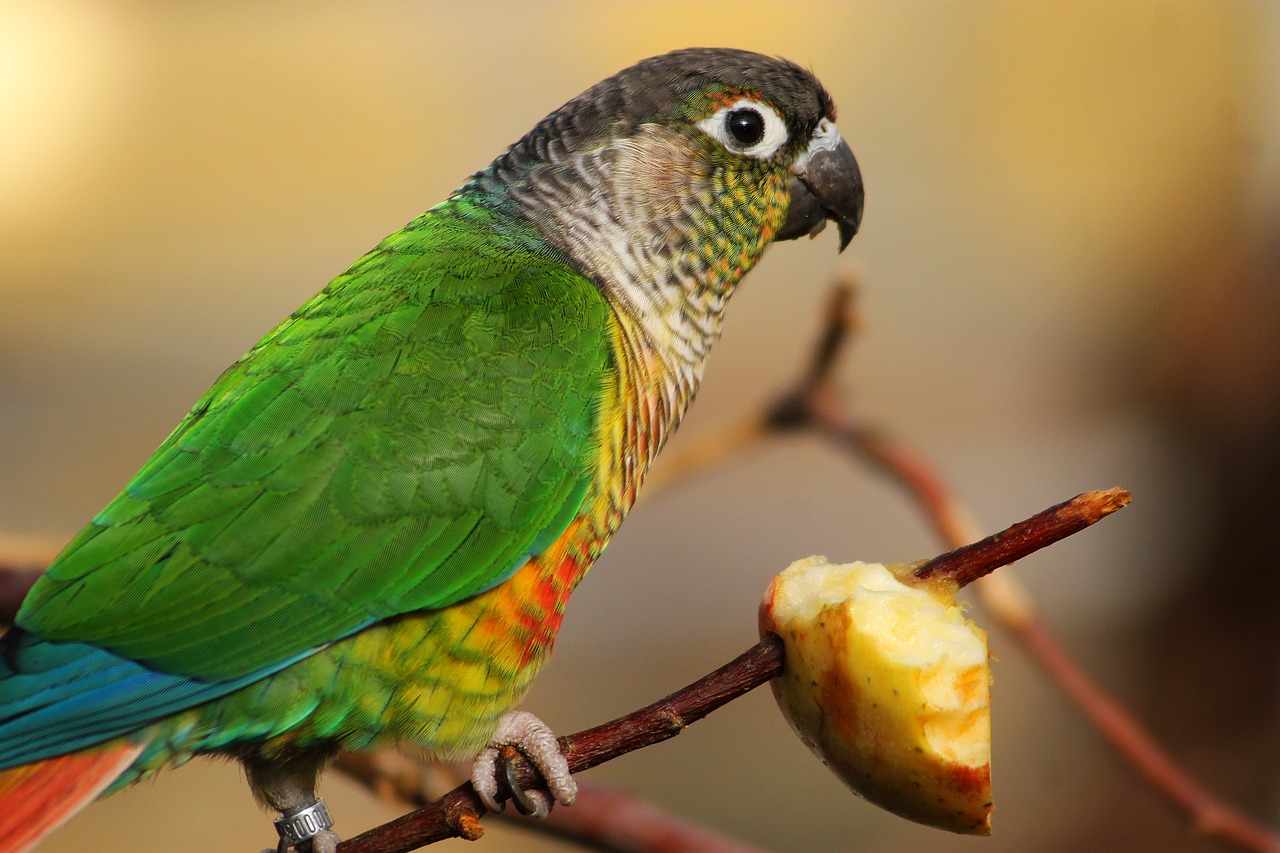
(747,127)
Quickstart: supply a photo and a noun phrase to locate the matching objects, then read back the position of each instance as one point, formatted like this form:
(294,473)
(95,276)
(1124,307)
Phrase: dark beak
(825,184)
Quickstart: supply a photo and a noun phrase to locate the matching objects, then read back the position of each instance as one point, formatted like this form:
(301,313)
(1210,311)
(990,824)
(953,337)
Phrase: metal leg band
(297,825)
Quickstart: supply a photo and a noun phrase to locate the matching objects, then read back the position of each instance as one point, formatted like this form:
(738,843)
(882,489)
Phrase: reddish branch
(1209,816)
(602,820)
(967,563)
(458,812)
(616,823)
(813,406)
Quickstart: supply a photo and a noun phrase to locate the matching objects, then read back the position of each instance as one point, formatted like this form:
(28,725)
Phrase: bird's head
(763,120)
(682,168)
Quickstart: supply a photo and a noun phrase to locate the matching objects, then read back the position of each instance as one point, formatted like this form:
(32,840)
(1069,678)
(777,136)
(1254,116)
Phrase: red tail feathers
(37,798)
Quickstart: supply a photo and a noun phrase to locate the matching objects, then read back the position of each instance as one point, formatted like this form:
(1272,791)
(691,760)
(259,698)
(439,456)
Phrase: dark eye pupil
(746,126)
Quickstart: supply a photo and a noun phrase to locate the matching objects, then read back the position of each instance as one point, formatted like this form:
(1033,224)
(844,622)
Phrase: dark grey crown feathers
(654,88)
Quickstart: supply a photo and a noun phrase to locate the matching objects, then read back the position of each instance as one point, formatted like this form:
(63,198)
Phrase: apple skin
(904,729)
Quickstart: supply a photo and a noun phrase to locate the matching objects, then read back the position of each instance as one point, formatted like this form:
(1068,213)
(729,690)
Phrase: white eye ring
(775,129)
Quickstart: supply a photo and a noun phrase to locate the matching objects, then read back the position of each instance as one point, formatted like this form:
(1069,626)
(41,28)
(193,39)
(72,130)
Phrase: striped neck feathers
(663,226)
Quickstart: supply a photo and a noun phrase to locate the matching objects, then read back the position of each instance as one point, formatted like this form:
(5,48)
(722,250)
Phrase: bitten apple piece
(887,682)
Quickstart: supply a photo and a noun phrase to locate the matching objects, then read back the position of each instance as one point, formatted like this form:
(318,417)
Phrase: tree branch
(458,812)
(602,820)
(813,406)
(968,563)
(618,823)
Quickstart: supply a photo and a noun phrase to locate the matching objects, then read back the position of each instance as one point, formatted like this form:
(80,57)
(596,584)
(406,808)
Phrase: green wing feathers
(403,441)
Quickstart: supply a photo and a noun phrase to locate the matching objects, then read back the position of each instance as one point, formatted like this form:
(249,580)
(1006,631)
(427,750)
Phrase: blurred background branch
(618,823)
(813,405)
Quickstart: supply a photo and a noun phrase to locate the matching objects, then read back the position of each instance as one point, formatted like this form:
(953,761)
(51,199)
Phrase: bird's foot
(522,731)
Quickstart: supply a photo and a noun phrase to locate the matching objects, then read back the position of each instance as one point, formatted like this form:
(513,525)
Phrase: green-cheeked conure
(366,532)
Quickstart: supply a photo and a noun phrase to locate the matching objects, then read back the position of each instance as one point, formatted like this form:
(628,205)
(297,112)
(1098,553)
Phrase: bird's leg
(532,737)
(289,787)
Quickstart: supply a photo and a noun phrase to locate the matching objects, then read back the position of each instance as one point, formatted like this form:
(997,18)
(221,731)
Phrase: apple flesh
(888,683)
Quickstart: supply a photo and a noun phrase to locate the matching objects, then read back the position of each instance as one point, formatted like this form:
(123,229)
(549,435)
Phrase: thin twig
(979,559)
(1004,597)
(1209,816)
(790,410)
(812,405)
(676,465)
(605,821)
(617,823)
(1007,600)
(458,812)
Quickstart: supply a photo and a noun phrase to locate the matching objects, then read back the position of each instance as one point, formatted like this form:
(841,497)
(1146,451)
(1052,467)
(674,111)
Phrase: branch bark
(813,406)
(458,812)
(968,563)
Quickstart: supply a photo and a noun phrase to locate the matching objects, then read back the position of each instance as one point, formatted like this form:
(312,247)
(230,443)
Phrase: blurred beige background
(1070,252)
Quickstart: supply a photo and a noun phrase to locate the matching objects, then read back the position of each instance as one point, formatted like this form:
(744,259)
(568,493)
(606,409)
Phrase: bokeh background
(1070,254)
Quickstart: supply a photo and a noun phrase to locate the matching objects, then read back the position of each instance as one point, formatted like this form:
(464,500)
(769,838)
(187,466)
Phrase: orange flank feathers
(37,798)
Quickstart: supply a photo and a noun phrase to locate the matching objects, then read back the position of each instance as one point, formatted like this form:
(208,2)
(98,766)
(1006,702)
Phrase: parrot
(365,534)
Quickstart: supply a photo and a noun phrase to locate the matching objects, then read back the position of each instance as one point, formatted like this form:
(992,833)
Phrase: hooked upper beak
(825,184)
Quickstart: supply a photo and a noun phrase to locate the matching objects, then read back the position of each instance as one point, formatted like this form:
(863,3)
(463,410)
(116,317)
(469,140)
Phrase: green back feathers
(404,440)
(419,428)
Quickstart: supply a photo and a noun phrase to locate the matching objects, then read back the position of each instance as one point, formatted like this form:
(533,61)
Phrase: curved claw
(532,803)
(484,778)
(531,737)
